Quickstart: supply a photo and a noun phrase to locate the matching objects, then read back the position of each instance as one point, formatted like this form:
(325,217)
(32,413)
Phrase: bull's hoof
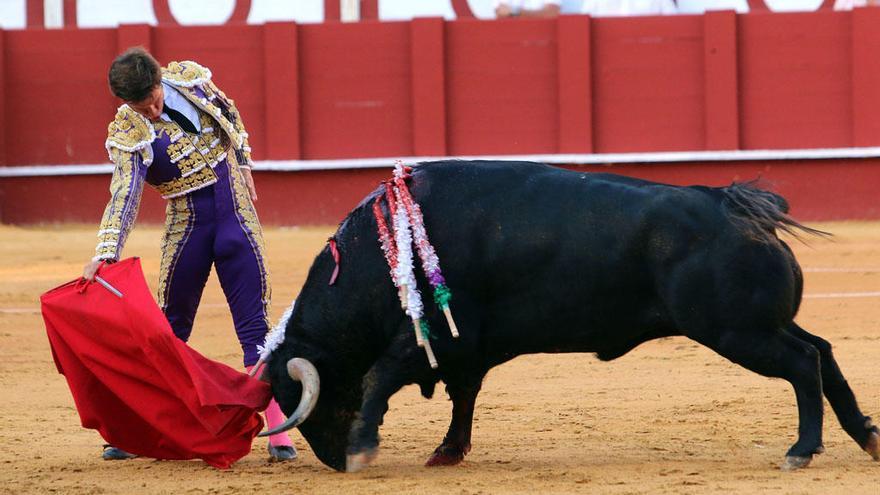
(872,446)
(793,462)
(445,457)
(443,460)
(356,462)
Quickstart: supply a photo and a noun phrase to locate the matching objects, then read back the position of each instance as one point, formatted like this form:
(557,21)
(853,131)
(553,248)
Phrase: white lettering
(12,14)
(303,11)
(112,13)
(53,14)
(792,5)
(201,12)
(104,13)
(402,10)
(482,9)
(350,10)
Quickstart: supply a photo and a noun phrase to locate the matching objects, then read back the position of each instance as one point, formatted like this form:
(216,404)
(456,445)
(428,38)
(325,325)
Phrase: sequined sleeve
(243,154)
(125,197)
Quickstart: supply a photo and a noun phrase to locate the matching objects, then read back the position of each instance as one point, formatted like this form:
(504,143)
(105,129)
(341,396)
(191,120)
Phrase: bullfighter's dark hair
(134,74)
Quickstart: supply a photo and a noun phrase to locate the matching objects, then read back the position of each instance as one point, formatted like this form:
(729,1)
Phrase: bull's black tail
(759,212)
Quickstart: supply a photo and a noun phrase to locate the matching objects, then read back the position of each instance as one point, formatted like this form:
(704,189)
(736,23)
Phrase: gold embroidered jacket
(163,155)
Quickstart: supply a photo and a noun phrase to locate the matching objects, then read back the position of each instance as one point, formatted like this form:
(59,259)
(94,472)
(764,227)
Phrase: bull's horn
(303,371)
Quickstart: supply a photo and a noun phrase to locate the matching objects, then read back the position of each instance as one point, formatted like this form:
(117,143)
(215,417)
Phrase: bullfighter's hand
(249,180)
(91,269)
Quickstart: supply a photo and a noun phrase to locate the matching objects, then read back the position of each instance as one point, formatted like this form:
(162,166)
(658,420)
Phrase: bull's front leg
(388,375)
(457,442)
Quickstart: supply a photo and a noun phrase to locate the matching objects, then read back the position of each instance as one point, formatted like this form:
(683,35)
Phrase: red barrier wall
(572,84)
(720,81)
(816,190)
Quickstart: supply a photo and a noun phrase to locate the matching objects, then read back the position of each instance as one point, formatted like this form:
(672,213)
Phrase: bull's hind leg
(781,355)
(841,397)
(457,442)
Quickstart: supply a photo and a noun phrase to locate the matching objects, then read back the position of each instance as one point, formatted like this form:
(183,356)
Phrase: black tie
(181,120)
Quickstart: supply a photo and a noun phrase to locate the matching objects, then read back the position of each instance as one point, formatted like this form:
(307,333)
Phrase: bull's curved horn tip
(303,371)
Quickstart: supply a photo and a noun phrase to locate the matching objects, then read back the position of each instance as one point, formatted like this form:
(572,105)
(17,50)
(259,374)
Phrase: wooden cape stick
(256,368)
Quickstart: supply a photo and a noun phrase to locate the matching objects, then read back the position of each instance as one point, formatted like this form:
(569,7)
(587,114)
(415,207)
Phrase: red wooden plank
(502,87)
(510,86)
(865,77)
(332,10)
(815,189)
(4,129)
(720,65)
(70,19)
(369,10)
(43,66)
(573,43)
(34,12)
(129,35)
(356,90)
(281,98)
(234,55)
(796,76)
(648,84)
(428,86)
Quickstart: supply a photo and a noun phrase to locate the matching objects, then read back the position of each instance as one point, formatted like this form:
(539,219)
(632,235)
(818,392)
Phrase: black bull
(541,259)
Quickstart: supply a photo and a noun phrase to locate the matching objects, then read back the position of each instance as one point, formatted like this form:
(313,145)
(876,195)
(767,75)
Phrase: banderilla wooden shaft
(431,359)
(417,326)
(450,321)
(424,343)
(403,295)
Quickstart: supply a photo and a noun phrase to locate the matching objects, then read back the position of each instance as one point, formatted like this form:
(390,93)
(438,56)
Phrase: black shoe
(281,453)
(111,453)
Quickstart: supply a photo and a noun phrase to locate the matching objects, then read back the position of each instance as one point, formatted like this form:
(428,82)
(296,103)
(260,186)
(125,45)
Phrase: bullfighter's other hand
(249,180)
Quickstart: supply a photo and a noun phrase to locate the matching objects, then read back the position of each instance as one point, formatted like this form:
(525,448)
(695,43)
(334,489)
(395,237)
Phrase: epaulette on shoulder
(186,74)
(129,131)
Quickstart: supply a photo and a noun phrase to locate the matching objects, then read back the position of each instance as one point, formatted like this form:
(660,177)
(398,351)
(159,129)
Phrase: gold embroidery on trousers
(251,225)
(179,220)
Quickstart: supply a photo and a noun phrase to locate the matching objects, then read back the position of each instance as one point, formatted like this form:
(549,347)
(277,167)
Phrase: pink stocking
(275,417)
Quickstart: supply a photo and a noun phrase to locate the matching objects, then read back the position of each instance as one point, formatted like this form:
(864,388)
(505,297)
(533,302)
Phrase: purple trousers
(218,226)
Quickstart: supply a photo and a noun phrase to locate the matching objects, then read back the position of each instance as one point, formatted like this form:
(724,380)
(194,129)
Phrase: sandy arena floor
(670,417)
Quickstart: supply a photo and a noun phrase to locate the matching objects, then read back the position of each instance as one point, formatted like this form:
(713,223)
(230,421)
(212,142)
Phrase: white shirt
(609,8)
(178,102)
(849,4)
(519,5)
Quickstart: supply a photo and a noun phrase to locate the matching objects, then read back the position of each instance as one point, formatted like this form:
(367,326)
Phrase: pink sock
(275,417)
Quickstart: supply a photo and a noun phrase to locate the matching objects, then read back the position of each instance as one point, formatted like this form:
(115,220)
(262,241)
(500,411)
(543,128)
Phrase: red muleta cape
(141,387)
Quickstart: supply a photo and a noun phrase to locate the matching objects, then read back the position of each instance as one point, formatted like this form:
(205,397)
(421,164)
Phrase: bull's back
(555,260)
(511,217)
